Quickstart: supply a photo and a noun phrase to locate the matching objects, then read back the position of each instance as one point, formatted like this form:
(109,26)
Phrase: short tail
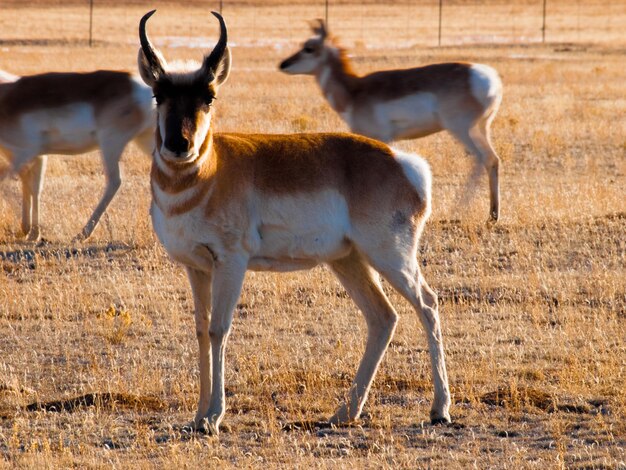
(6,77)
(486,87)
(418,173)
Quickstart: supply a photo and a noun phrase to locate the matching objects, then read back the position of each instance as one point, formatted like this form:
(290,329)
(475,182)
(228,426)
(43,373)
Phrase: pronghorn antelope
(226,203)
(392,105)
(71,113)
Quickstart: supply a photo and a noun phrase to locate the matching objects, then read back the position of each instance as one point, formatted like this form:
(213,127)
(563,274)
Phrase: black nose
(177,144)
(284,64)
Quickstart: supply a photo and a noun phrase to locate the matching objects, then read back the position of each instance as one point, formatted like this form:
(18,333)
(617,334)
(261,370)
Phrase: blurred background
(367,23)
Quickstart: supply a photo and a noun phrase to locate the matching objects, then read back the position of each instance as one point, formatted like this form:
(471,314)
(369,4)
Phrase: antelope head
(308,59)
(184,98)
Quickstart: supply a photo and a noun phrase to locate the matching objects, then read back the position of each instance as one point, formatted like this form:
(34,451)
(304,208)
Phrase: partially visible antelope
(71,113)
(226,203)
(389,105)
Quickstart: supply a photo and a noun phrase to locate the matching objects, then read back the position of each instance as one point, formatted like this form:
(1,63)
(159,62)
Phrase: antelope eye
(207,100)
(158,98)
(308,49)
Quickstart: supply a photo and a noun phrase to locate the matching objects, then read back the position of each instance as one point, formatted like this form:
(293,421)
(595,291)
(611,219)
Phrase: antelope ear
(145,71)
(150,73)
(223,68)
(319,27)
(150,61)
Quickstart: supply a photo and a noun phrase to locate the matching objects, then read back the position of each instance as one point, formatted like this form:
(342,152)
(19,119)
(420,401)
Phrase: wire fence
(272,22)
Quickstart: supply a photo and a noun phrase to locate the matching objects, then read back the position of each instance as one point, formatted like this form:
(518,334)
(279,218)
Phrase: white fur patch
(6,77)
(171,200)
(184,71)
(142,95)
(70,129)
(303,66)
(331,100)
(181,234)
(346,115)
(162,166)
(418,173)
(403,118)
(303,226)
(485,84)
(324,77)
(159,224)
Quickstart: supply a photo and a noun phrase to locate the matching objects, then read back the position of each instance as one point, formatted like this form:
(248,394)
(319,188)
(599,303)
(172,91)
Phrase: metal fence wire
(367,23)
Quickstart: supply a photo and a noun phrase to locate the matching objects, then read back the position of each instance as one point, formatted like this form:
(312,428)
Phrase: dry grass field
(98,355)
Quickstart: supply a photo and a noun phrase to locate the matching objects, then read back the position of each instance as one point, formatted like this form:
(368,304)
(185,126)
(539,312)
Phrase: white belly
(308,226)
(69,129)
(278,233)
(404,118)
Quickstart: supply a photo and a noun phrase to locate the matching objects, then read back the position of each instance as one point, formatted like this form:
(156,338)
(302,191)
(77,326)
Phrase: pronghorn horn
(212,61)
(152,55)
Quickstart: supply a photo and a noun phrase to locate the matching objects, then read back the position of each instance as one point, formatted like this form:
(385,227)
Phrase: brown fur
(433,78)
(53,90)
(363,169)
(393,84)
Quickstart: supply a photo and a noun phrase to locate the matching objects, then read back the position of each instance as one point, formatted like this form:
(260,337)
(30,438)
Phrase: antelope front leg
(111,154)
(32,184)
(26,205)
(227,281)
(201,288)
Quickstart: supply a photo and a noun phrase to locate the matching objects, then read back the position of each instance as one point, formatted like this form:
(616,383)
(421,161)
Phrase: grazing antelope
(71,113)
(406,104)
(226,203)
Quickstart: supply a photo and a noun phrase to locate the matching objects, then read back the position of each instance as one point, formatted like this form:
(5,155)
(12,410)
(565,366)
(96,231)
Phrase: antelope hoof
(491,222)
(33,235)
(439,421)
(207,426)
(85,232)
(341,416)
(81,237)
(439,418)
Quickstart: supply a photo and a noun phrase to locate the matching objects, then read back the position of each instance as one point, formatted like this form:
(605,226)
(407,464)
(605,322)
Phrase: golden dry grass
(533,310)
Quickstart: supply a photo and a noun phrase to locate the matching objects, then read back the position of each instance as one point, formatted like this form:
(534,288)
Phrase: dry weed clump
(98,365)
(116,324)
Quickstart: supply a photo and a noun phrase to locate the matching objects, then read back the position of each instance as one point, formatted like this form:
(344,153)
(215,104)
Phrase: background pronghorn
(406,104)
(70,113)
(226,203)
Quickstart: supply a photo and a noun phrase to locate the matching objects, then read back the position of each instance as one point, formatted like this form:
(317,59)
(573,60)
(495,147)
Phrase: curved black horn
(212,61)
(146,46)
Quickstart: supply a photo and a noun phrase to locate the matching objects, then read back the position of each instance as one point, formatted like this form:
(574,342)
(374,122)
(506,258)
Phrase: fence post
(90,23)
(326,13)
(440,8)
(543,27)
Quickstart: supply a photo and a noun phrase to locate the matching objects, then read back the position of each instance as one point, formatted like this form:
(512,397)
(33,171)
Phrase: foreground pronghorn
(70,113)
(406,104)
(226,203)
